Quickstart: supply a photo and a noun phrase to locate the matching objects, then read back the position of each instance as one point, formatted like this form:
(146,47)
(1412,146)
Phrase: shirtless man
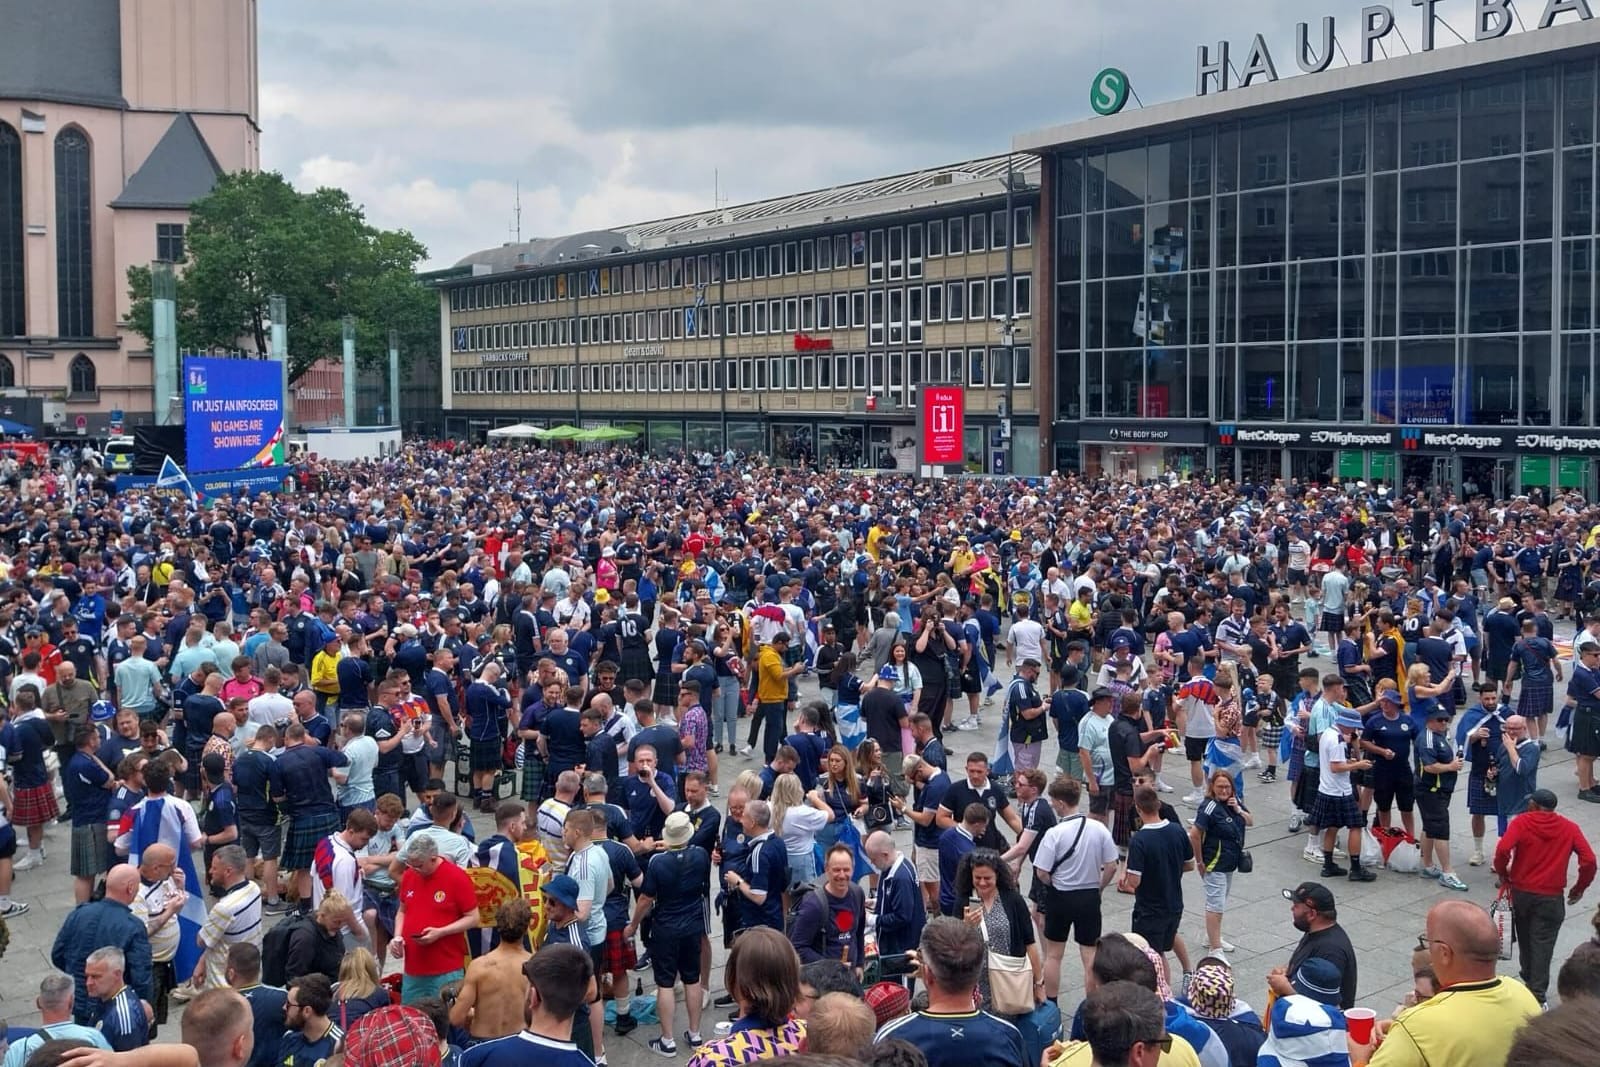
(494,991)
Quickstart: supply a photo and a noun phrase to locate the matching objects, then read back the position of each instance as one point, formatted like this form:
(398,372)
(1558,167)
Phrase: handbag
(1010,981)
(1500,915)
(1246,863)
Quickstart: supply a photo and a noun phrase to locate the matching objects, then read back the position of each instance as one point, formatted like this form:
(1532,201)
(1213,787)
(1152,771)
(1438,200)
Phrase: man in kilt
(307,799)
(1335,806)
(534,766)
(486,706)
(1534,660)
(1478,737)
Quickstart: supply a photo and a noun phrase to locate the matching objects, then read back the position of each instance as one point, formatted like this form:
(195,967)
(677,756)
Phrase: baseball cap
(389,1035)
(1440,714)
(1543,798)
(888,673)
(1101,693)
(1312,894)
(562,888)
(1391,696)
(888,1001)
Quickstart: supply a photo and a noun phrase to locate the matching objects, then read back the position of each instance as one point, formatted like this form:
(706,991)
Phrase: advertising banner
(941,425)
(233,413)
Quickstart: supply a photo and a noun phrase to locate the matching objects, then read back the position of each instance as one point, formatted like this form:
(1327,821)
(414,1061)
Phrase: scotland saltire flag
(851,727)
(1000,763)
(1225,754)
(172,476)
(146,831)
(991,684)
(813,643)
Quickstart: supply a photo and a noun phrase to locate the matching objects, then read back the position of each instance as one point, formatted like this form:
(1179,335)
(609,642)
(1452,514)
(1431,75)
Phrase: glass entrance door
(1492,476)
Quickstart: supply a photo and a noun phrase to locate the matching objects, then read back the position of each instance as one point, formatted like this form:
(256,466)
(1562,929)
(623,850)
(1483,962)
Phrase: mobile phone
(895,964)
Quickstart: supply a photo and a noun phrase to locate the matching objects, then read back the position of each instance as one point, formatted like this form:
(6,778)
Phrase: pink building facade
(115,116)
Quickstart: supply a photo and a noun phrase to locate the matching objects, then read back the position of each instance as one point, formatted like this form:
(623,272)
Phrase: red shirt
(1535,850)
(436,901)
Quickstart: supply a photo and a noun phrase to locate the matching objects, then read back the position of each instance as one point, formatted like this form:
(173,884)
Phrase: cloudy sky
(616,111)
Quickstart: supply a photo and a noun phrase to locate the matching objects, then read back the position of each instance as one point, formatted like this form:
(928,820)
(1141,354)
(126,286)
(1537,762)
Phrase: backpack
(275,948)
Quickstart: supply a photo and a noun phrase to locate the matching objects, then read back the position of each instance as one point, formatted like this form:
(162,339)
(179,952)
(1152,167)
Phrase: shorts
(91,852)
(1074,912)
(1194,748)
(1161,931)
(1435,811)
(414,987)
(487,755)
(34,806)
(618,955)
(8,842)
(1400,790)
(926,861)
(385,905)
(261,839)
(674,957)
(1100,803)
(1297,577)
(1217,884)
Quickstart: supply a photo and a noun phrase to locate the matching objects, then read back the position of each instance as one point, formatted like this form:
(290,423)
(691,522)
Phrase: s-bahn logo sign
(1108,93)
(1313,53)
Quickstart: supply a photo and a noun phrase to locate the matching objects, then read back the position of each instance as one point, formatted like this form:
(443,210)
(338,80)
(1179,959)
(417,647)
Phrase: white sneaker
(30,859)
(1476,860)
(1227,946)
(967,725)
(1311,854)
(1162,785)
(10,909)
(1253,762)
(744,750)
(1193,798)
(1296,821)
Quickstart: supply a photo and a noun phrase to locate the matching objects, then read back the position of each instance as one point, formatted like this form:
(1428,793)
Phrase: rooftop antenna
(518,210)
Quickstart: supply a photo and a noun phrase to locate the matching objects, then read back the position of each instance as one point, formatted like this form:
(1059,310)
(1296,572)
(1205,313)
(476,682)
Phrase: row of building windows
(83,380)
(1483,118)
(890,316)
(74,240)
(873,372)
(893,254)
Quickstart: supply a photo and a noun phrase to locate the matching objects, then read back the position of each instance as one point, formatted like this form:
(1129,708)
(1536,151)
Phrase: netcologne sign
(1214,65)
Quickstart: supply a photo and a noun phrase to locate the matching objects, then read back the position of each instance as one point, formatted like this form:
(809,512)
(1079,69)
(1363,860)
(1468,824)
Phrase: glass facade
(1420,256)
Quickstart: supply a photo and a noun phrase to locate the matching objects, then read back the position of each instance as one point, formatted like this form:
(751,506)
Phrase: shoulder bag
(1010,979)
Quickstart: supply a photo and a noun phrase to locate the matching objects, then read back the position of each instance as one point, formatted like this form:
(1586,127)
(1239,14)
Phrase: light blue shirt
(362,752)
(188,660)
(18,1054)
(592,870)
(136,683)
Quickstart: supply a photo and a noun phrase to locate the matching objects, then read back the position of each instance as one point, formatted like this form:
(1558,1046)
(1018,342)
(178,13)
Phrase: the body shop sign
(941,425)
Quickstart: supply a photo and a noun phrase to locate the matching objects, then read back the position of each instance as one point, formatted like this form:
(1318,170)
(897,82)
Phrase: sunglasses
(1164,1042)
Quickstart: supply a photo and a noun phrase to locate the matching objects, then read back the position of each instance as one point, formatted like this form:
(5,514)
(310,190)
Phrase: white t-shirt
(1330,747)
(270,709)
(343,874)
(800,826)
(1094,851)
(1027,640)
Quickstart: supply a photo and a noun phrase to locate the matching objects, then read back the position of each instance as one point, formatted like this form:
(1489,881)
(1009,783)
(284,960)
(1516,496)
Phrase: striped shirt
(150,901)
(234,918)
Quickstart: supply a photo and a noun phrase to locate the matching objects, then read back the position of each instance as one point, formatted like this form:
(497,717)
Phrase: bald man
(1478,1019)
(106,922)
(160,897)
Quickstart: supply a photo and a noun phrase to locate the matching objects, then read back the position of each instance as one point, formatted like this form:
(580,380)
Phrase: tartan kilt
(34,806)
(533,770)
(617,956)
(635,666)
(305,830)
(91,852)
(1305,793)
(1536,698)
(1479,800)
(1329,812)
(1122,815)
(666,690)
(1269,735)
(488,755)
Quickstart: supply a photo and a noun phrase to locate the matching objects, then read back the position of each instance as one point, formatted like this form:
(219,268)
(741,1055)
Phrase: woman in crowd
(762,977)
(797,817)
(985,882)
(1217,838)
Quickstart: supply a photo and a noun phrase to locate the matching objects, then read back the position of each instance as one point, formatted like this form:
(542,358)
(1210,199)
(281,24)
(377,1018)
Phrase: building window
(12,301)
(82,380)
(74,242)
(8,373)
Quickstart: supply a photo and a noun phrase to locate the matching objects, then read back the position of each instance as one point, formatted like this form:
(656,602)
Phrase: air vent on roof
(951,177)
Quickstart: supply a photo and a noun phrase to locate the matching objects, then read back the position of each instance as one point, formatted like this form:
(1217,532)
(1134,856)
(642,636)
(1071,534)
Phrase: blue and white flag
(146,831)
(813,644)
(1227,755)
(851,727)
(1000,762)
(173,477)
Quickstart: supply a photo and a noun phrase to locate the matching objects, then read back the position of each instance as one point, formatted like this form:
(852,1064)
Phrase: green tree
(255,236)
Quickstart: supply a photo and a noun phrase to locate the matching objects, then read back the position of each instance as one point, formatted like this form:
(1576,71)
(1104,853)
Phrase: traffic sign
(82,422)
(1108,93)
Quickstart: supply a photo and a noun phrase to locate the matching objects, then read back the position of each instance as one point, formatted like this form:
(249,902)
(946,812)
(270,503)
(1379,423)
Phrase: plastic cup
(1359,1022)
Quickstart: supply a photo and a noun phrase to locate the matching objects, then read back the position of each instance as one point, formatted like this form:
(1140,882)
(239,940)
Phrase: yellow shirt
(960,560)
(1079,1054)
(875,537)
(1471,1023)
(771,685)
(1080,616)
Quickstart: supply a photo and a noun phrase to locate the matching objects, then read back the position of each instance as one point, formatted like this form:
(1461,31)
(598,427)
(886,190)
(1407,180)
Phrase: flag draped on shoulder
(148,819)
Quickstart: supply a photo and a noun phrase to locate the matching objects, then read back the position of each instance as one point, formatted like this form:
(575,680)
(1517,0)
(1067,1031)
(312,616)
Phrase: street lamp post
(1008,326)
(722,348)
(577,389)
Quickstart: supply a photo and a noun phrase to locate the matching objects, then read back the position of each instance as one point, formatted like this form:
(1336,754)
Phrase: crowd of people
(265,725)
